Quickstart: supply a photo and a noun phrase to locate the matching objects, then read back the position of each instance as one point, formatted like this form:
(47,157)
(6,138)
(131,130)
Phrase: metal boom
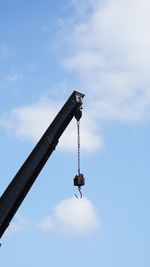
(20,185)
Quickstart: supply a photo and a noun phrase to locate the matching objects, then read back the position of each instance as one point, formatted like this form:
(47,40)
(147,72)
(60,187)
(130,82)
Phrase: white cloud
(110,53)
(72,216)
(30,122)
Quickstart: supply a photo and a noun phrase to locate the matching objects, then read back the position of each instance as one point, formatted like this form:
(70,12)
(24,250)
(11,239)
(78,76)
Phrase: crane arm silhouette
(20,185)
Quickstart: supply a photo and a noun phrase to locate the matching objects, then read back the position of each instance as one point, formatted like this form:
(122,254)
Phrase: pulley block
(79,180)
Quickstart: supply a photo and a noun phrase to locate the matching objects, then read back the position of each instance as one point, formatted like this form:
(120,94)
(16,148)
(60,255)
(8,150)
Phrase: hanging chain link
(78,147)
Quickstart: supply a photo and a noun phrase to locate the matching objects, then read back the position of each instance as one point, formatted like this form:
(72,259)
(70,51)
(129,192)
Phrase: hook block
(79,180)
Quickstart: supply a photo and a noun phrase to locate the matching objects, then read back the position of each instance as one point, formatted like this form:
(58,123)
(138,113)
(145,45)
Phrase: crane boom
(20,185)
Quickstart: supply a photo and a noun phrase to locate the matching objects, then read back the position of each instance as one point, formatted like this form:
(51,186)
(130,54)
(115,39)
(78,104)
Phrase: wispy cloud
(82,7)
(4,51)
(13,76)
(73,217)
(10,79)
(19,224)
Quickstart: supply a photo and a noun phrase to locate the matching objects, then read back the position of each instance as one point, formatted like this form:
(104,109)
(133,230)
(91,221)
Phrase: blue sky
(101,48)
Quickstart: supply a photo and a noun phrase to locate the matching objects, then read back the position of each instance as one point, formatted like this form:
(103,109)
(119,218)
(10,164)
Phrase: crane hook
(79,188)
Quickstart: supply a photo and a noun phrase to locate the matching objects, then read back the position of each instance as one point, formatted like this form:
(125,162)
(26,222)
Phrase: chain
(78,147)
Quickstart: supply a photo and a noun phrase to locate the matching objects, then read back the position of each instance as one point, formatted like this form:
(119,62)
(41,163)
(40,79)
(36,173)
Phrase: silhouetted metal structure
(17,190)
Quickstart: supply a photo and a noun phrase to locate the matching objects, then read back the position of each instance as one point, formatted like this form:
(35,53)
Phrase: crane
(22,182)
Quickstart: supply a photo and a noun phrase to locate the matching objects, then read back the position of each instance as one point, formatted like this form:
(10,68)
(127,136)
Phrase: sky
(100,48)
